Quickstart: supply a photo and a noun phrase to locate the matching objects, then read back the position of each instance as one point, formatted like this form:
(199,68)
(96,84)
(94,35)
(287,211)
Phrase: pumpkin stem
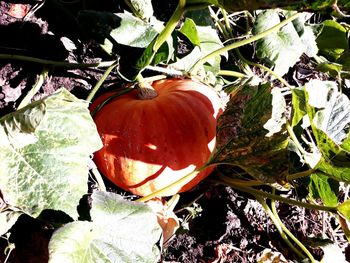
(145,89)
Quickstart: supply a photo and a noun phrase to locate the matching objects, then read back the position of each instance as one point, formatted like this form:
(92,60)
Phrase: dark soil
(228,226)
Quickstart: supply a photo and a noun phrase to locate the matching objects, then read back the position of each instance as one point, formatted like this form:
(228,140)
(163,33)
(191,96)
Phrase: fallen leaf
(269,256)
(221,252)
(167,219)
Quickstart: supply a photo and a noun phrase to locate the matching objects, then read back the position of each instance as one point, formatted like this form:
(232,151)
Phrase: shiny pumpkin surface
(151,143)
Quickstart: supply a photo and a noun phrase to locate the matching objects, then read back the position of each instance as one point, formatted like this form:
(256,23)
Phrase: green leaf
(277,120)
(187,61)
(333,69)
(165,53)
(242,139)
(337,168)
(132,32)
(209,41)
(344,60)
(45,148)
(306,34)
(120,231)
(299,105)
(141,8)
(328,111)
(201,17)
(344,209)
(321,186)
(133,40)
(189,30)
(281,49)
(333,109)
(332,41)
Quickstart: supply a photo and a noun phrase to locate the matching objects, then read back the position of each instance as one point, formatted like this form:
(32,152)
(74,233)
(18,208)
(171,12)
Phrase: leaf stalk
(279,225)
(288,233)
(184,180)
(255,192)
(100,82)
(64,64)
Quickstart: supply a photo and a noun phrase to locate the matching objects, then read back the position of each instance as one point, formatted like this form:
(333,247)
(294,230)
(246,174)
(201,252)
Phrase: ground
(219,224)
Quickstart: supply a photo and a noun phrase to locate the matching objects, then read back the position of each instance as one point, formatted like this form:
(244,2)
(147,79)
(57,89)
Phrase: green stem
(225,49)
(184,180)
(221,26)
(250,190)
(227,22)
(103,103)
(294,138)
(170,26)
(291,177)
(232,73)
(289,234)
(100,82)
(279,225)
(148,55)
(57,63)
(34,89)
(240,182)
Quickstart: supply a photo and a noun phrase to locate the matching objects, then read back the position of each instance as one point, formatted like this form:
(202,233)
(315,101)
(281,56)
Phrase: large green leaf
(329,113)
(243,139)
(281,49)
(306,34)
(120,231)
(321,186)
(329,109)
(44,153)
(333,40)
(132,32)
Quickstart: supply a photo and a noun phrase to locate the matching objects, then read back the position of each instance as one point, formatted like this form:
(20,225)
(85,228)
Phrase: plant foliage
(270,129)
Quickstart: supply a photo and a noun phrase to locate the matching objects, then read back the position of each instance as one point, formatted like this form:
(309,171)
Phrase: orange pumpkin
(151,143)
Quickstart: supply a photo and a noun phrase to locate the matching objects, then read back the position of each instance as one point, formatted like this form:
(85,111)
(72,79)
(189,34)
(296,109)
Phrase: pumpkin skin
(151,143)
